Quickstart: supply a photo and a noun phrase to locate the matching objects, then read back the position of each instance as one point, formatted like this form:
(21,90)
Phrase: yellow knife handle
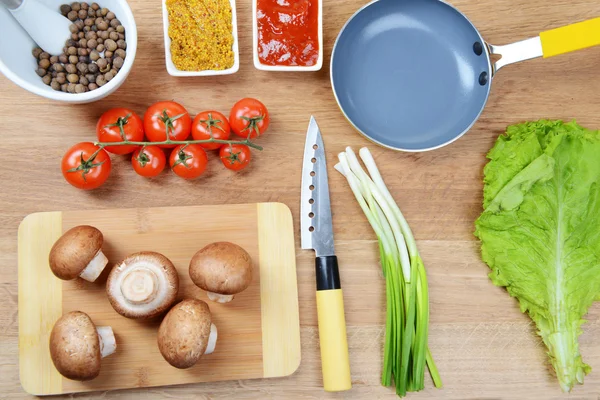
(332,337)
(333,341)
(571,38)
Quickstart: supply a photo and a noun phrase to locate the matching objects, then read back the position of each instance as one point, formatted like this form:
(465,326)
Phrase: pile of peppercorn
(93,55)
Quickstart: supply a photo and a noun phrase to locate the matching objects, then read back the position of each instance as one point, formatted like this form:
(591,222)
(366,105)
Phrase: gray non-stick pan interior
(410,74)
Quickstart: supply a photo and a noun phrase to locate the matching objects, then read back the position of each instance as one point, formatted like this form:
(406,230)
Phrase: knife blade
(316,226)
(316,221)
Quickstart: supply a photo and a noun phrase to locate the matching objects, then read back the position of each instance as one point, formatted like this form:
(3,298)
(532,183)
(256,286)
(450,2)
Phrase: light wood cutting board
(259,333)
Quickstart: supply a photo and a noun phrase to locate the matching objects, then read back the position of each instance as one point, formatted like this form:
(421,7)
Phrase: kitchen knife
(317,234)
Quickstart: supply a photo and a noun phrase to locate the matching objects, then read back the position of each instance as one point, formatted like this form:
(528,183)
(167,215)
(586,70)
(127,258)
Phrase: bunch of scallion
(407,318)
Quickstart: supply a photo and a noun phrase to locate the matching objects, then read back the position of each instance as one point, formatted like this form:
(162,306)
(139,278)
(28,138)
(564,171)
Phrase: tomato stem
(252,124)
(182,158)
(168,121)
(143,158)
(246,142)
(121,122)
(85,166)
(233,157)
(210,122)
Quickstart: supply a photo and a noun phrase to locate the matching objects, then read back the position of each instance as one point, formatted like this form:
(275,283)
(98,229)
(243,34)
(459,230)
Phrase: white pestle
(46,26)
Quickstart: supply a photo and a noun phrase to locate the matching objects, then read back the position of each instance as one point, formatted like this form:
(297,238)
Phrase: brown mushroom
(187,333)
(143,285)
(78,252)
(223,269)
(77,346)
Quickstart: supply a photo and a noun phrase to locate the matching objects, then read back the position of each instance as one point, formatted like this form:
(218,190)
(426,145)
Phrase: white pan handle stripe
(516,52)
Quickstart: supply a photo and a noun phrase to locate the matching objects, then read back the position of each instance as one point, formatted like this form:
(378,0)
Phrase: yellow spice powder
(201,34)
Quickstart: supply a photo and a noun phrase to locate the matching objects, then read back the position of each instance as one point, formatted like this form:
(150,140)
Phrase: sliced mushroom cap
(143,285)
(222,269)
(77,346)
(78,252)
(186,333)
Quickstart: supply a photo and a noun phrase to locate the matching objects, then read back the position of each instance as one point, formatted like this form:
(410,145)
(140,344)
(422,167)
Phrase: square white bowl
(263,67)
(172,70)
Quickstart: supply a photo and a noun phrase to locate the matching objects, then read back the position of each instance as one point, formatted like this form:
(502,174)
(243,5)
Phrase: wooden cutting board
(259,333)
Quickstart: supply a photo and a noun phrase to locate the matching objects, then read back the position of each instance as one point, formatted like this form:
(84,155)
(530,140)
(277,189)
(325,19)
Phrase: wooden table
(483,345)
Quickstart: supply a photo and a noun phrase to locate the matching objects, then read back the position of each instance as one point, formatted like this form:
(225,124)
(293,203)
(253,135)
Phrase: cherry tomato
(167,116)
(86,166)
(188,160)
(235,156)
(208,122)
(149,161)
(118,124)
(249,118)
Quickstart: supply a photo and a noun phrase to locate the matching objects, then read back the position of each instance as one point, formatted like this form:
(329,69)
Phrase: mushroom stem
(220,298)
(212,340)
(140,286)
(92,271)
(108,343)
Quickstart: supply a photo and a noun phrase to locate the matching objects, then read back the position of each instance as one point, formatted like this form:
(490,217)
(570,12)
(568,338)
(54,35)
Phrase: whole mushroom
(143,285)
(187,333)
(223,269)
(77,346)
(78,252)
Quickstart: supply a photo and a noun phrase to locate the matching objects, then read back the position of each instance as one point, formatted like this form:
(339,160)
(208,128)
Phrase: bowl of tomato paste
(288,35)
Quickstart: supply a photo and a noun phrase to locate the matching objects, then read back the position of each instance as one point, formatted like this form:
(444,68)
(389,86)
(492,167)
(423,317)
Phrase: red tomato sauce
(288,32)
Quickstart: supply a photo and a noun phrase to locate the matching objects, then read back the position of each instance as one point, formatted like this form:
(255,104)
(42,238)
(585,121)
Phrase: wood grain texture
(278,291)
(39,308)
(178,233)
(484,347)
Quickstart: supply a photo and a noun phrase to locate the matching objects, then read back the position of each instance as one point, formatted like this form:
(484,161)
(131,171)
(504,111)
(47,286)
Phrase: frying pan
(415,75)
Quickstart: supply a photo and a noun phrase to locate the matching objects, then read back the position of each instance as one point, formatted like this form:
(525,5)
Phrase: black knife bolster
(327,272)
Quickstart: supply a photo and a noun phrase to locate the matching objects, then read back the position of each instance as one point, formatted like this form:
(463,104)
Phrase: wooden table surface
(483,345)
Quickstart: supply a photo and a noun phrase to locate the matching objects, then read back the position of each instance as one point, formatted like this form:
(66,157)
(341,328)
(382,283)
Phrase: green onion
(406,351)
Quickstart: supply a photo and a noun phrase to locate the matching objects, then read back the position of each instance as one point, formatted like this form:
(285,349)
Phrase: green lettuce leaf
(540,231)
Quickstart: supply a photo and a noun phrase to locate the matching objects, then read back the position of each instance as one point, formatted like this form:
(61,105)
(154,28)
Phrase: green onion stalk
(406,350)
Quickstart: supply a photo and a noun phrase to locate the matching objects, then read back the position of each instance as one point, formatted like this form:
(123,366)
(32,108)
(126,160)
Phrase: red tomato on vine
(149,161)
(188,161)
(86,166)
(209,124)
(120,124)
(249,118)
(167,119)
(235,157)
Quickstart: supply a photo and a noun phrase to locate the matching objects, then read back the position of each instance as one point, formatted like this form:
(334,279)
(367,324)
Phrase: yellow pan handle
(571,37)
(334,344)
